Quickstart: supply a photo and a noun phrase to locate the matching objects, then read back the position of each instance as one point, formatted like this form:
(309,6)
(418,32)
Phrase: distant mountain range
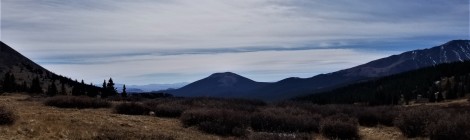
(233,85)
(150,87)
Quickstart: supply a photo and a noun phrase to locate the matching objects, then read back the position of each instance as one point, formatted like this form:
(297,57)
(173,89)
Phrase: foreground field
(37,121)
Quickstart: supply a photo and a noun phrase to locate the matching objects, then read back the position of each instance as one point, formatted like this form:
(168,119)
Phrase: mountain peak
(456,42)
(224,74)
(227,78)
(223,84)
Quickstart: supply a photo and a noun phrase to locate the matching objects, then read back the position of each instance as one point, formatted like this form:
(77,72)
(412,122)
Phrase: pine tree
(36,86)
(449,87)
(92,92)
(52,90)
(124,93)
(83,90)
(9,83)
(440,97)
(111,89)
(24,87)
(63,91)
(12,82)
(6,82)
(104,92)
(104,84)
(76,90)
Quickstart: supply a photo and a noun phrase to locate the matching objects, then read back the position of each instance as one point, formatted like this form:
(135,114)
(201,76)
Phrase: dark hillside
(435,83)
(20,74)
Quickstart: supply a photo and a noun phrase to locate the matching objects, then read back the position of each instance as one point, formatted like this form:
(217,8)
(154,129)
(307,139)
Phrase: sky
(171,41)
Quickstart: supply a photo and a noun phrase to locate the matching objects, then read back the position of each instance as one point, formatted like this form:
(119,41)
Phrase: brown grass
(340,126)
(76,102)
(7,116)
(37,121)
(285,120)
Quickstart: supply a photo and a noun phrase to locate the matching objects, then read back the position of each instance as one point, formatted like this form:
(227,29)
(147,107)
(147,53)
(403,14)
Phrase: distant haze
(171,41)
(149,87)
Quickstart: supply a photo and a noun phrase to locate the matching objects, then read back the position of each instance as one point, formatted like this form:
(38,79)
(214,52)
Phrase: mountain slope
(446,81)
(25,70)
(21,67)
(10,59)
(225,84)
(453,51)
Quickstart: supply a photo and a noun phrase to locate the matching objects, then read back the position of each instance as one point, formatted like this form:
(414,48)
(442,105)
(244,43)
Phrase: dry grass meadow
(37,121)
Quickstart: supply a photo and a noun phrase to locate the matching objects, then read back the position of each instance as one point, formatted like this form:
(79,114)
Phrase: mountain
(150,87)
(434,83)
(25,71)
(12,60)
(225,84)
(453,51)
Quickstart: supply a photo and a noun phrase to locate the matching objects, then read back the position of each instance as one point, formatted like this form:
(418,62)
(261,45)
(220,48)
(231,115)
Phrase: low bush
(324,110)
(222,128)
(7,116)
(228,104)
(339,126)
(413,122)
(285,120)
(386,115)
(77,102)
(131,109)
(457,108)
(368,117)
(217,121)
(277,136)
(122,134)
(150,95)
(166,110)
(451,128)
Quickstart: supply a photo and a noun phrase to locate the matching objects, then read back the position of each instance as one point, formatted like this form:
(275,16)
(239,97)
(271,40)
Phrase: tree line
(59,85)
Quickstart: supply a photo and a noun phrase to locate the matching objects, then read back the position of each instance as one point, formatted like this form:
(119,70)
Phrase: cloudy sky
(170,41)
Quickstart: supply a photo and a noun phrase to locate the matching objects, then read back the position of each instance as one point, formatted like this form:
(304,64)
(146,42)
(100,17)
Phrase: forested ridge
(434,84)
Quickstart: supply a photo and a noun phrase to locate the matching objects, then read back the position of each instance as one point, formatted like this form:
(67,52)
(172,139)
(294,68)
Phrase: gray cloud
(90,33)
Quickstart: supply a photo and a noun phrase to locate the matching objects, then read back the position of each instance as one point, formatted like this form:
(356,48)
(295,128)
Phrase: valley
(234,70)
(37,121)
